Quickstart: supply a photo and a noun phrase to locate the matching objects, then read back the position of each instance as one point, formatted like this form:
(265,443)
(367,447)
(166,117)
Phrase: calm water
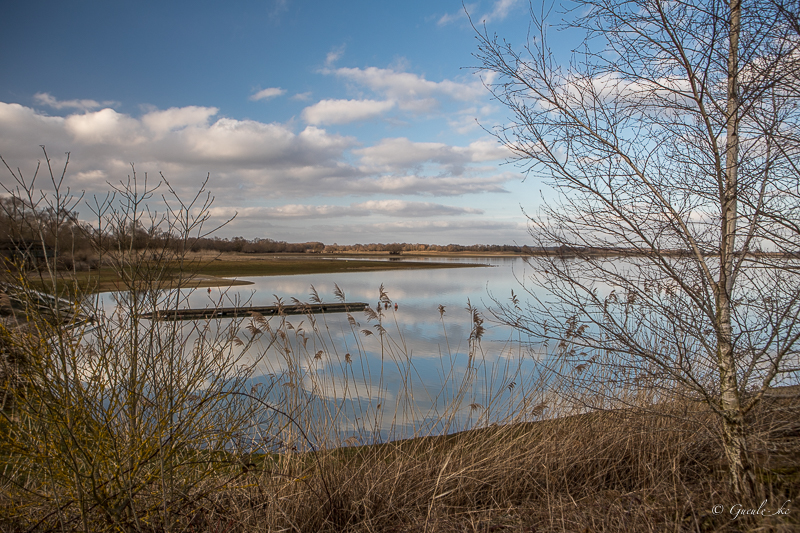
(409,381)
(418,294)
(346,382)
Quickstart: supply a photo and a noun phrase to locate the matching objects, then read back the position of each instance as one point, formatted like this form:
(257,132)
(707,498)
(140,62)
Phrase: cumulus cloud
(175,118)
(104,127)
(401,153)
(433,185)
(410,91)
(487,150)
(186,143)
(266,94)
(84,105)
(343,180)
(248,159)
(659,95)
(424,225)
(345,111)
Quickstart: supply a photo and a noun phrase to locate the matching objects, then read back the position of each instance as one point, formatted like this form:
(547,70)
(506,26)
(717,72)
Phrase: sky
(342,122)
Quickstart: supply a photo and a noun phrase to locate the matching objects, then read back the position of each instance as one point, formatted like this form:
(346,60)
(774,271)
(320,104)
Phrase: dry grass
(652,468)
(613,471)
(211,269)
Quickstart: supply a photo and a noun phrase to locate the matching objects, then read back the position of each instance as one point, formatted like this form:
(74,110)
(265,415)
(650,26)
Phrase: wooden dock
(239,312)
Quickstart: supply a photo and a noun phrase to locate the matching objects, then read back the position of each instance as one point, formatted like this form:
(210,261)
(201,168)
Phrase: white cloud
(433,186)
(284,211)
(402,208)
(176,118)
(608,89)
(89,178)
(334,55)
(84,105)
(278,8)
(487,150)
(390,207)
(104,127)
(252,161)
(400,153)
(447,18)
(410,91)
(266,94)
(422,225)
(185,143)
(345,111)
(468,119)
(303,97)
(23,126)
(461,14)
(500,10)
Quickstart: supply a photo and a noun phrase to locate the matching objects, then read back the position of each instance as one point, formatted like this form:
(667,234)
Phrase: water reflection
(393,384)
(407,371)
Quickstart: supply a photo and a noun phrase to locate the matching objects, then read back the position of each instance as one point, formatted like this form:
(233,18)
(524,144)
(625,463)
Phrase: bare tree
(671,133)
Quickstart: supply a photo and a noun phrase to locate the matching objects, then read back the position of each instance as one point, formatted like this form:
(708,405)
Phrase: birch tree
(671,133)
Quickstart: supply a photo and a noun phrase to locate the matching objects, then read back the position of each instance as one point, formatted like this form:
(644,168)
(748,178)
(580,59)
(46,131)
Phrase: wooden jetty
(21,305)
(268,310)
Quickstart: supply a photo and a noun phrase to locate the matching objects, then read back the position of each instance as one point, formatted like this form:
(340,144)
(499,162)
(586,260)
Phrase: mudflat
(208,269)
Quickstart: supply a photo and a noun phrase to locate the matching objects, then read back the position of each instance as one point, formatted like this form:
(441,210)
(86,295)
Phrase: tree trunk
(734,436)
(734,431)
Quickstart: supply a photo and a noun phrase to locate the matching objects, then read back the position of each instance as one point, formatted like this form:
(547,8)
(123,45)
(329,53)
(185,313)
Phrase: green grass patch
(285,267)
(217,272)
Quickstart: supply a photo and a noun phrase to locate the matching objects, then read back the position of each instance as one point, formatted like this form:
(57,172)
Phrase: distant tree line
(255,246)
(269,246)
(31,235)
(396,248)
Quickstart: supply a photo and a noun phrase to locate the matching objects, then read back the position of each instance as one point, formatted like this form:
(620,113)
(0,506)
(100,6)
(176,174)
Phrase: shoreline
(203,269)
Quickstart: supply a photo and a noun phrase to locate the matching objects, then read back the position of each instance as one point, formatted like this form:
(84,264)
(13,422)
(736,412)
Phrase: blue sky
(347,122)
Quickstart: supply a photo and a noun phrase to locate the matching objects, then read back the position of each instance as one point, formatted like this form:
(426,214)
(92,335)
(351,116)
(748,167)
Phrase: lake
(416,370)
(423,375)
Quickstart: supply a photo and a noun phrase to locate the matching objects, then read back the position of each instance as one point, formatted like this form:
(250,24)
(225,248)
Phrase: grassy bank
(218,270)
(229,266)
(650,470)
